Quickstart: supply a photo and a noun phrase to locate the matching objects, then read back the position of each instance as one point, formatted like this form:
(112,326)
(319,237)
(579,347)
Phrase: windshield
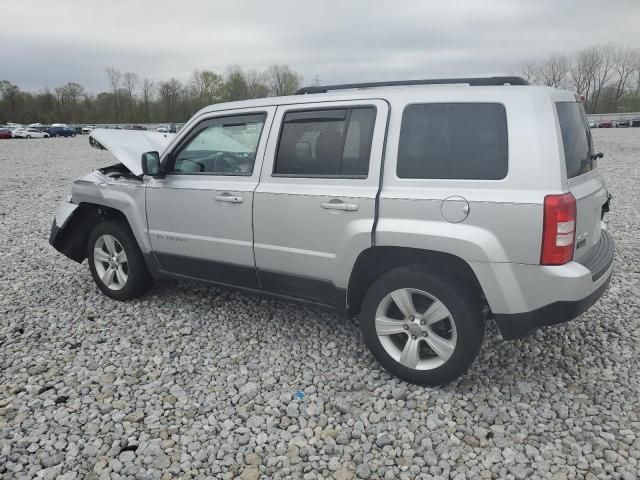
(576,138)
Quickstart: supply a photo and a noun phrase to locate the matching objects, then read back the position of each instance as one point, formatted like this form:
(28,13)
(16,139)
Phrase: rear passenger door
(315,205)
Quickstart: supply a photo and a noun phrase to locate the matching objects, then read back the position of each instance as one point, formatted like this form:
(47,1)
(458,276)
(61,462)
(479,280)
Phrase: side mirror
(151,164)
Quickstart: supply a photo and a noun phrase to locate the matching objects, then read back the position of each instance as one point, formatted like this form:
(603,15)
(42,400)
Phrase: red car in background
(607,124)
(5,133)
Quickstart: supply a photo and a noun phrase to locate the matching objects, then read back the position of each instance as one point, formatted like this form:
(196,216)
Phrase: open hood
(129,145)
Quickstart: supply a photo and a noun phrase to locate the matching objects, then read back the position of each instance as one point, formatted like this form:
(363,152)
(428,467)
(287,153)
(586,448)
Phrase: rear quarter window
(576,138)
(453,141)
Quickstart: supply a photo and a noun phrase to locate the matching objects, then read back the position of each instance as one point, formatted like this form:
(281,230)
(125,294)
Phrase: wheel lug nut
(406,327)
(411,318)
(422,322)
(414,337)
(424,334)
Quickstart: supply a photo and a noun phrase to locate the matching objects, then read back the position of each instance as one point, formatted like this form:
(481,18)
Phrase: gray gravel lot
(199,382)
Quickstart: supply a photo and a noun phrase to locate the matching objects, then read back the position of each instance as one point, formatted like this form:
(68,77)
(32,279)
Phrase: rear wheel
(423,328)
(116,262)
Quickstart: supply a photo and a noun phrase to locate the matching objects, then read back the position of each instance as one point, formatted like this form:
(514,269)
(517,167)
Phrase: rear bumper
(518,325)
(600,268)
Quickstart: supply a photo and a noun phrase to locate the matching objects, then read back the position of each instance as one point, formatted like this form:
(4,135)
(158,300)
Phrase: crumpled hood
(129,145)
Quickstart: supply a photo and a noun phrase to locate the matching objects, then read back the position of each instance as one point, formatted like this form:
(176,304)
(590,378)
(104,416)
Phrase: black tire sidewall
(139,280)
(458,300)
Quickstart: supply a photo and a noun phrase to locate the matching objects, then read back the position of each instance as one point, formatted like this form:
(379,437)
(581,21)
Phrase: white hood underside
(129,145)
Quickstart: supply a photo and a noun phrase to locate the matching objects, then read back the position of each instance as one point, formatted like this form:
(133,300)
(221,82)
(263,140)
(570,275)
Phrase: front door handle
(349,207)
(228,198)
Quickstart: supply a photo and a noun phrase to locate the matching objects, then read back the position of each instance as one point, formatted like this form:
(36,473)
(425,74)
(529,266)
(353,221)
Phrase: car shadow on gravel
(543,356)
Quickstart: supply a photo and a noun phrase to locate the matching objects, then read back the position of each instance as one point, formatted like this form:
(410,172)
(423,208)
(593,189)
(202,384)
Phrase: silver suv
(424,207)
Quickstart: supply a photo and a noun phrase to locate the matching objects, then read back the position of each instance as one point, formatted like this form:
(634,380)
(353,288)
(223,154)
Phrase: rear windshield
(576,138)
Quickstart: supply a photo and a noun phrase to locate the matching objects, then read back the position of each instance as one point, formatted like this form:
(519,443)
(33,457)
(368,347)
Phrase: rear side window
(576,138)
(453,141)
(334,142)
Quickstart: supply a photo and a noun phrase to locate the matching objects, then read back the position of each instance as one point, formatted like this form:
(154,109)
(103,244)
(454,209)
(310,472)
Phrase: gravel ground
(198,382)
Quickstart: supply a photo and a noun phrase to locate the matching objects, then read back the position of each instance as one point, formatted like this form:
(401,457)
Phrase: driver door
(200,214)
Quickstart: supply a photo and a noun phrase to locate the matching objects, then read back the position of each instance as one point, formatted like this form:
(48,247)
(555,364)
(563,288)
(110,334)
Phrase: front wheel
(116,262)
(424,328)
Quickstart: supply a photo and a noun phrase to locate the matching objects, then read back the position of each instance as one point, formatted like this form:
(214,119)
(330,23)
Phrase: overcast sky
(47,43)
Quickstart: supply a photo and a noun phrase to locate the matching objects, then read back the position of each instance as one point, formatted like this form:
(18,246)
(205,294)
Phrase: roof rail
(474,82)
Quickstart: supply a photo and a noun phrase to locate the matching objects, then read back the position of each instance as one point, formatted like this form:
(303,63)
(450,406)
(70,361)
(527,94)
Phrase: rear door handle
(349,207)
(228,198)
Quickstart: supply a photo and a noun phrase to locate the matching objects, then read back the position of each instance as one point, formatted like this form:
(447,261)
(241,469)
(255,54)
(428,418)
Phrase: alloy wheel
(415,329)
(110,262)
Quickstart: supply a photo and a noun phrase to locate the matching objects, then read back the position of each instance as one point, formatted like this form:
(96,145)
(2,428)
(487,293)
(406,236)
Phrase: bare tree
(605,62)
(554,70)
(624,65)
(130,83)
(282,80)
(531,72)
(147,98)
(582,70)
(114,79)
(170,97)
(257,84)
(636,75)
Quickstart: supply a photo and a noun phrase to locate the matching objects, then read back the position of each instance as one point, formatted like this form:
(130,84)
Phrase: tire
(457,336)
(28,136)
(131,279)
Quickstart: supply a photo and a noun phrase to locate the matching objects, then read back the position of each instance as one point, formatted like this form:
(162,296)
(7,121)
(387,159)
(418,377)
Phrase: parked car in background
(136,127)
(163,128)
(593,124)
(624,123)
(289,196)
(29,133)
(5,133)
(60,132)
(635,122)
(88,129)
(606,124)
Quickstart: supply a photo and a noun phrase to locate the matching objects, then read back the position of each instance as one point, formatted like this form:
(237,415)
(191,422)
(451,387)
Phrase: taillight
(559,229)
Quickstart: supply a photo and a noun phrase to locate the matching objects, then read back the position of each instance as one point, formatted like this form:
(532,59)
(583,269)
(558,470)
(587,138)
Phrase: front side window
(465,141)
(223,146)
(335,142)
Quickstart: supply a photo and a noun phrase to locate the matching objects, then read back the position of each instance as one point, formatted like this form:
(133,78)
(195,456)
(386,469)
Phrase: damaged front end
(116,191)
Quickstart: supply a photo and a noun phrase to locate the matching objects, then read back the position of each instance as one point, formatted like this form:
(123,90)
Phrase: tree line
(132,99)
(607,75)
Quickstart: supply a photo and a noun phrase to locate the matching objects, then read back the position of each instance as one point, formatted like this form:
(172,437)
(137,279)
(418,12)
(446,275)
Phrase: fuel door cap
(454,209)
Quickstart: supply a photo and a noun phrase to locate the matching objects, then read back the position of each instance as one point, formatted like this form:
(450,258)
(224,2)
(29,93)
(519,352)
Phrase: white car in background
(29,133)
(163,128)
(88,129)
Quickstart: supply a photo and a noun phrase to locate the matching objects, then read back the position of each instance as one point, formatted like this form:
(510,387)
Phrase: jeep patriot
(423,207)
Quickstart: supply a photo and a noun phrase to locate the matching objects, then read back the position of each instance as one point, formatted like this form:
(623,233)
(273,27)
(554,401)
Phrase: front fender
(125,196)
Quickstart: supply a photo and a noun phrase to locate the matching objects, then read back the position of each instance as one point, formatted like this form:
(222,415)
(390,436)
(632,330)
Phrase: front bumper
(518,325)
